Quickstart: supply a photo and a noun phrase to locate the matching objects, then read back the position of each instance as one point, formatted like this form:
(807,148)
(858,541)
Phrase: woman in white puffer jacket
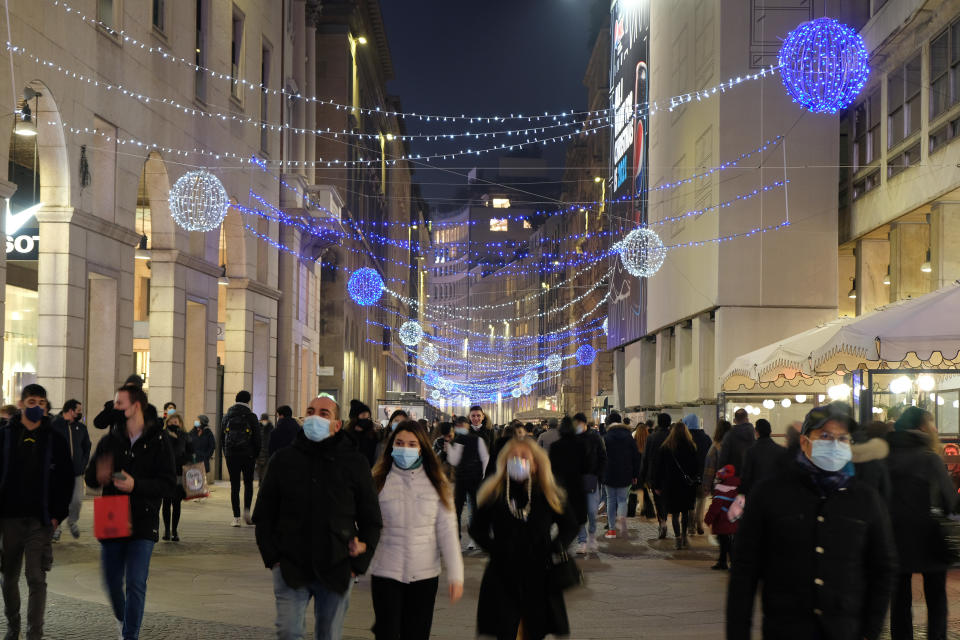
(419,526)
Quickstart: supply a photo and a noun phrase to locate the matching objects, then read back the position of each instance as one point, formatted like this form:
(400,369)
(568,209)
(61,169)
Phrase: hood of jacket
(692,421)
(238,408)
(617,427)
(910,439)
(743,431)
(872,449)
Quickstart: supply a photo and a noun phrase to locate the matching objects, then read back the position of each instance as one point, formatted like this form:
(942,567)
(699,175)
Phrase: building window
(944,134)
(903,102)
(106,14)
(236,53)
(900,162)
(158,15)
(498,224)
(944,70)
(265,52)
(866,141)
(501,203)
(866,184)
(200,56)
(527,225)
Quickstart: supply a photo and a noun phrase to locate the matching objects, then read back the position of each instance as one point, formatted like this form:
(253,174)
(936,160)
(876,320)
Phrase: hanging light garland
(365,286)
(198,201)
(642,252)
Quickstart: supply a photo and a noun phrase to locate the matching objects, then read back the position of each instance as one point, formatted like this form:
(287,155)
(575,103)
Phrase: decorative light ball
(445,384)
(411,333)
(198,201)
(823,65)
(768,404)
(925,382)
(839,391)
(529,378)
(900,384)
(429,355)
(525,389)
(435,394)
(642,252)
(365,286)
(606,326)
(554,362)
(800,397)
(586,355)
(431,378)
(515,393)
(785,403)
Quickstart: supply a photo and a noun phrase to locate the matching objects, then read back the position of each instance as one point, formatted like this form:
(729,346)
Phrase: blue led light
(586,355)
(823,65)
(515,393)
(365,286)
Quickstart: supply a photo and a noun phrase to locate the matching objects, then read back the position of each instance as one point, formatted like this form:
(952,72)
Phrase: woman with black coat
(182,454)
(135,459)
(568,456)
(518,507)
(919,481)
(676,478)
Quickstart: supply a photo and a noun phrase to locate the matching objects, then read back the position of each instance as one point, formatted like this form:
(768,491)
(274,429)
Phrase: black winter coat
(204,445)
(623,458)
(596,459)
(568,457)
(58,476)
(826,564)
(917,476)
(150,462)
(241,413)
(314,499)
(734,447)
(651,453)
(514,585)
(678,494)
(182,449)
(703,442)
(761,462)
(283,434)
(77,437)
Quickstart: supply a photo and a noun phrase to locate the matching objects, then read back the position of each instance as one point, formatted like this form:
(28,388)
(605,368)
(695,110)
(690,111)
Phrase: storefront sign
(25,245)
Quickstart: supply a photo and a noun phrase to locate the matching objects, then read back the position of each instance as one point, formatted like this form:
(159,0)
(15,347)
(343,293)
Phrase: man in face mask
(310,556)
(818,540)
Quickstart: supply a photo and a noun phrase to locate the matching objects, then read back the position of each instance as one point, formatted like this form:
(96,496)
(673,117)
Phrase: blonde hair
(495,486)
(679,433)
(175,416)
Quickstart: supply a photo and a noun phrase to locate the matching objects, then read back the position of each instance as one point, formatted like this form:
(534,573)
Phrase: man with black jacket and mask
(318,522)
(817,540)
(240,445)
(36,483)
(469,456)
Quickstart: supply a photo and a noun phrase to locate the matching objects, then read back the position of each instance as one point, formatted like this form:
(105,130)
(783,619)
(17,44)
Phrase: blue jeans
(126,560)
(616,504)
(593,500)
(329,609)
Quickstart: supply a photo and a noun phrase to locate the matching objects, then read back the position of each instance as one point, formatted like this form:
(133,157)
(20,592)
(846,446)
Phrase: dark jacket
(824,562)
(651,453)
(515,582)
(870,465)
(283,434)
(182,449)
(724,493)
(469,471)
(760,463)
(703,442)
(363,434)
(266,430)
(314,499)
(150,462)
(623,458)
(78,442)
(498,445)
(241,413)
(57,477)
(917,476)
(668,478)
(596,453)
(568,457)
(204,445)
(734,447)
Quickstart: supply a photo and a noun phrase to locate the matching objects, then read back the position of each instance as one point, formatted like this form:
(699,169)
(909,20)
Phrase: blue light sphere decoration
(435,394)
(411,333)
(529,378)
(365,286)
(429,355)
(642,252)
(823,65)
(586,355)
(554,362)
(516,393)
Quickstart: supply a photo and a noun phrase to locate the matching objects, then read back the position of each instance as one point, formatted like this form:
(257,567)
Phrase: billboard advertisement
(629,88)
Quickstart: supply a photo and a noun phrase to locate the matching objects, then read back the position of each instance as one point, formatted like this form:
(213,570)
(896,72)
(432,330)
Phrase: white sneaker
(246,516)
(235,522)
(581,548)
(592,546)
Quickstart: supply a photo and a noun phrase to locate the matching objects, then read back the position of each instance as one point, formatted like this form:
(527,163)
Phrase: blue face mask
(518,469)
(461,431)
(830,455)
(405,457)
(33,414)
(171,411)
(316,428)
(393,425)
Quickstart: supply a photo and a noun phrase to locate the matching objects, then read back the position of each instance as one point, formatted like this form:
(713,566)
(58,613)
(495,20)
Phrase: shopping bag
(111,517)
(195,481)
(632,505)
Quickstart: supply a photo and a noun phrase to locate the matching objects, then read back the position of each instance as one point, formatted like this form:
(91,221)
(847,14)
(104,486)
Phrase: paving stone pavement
(212,585)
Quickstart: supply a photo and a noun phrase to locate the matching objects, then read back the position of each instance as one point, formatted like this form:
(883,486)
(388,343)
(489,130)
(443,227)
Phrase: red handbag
(111,517)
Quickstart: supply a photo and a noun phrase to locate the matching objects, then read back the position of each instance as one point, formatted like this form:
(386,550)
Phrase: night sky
(492,57)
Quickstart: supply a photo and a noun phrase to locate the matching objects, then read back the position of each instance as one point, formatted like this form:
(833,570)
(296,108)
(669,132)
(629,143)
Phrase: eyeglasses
(829,437)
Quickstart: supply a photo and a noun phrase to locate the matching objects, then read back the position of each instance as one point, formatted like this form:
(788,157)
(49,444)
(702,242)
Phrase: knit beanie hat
(692,421)
(911,418)
(356,408)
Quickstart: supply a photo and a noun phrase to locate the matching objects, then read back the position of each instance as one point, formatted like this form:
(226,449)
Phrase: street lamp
(362,40)
(926,267)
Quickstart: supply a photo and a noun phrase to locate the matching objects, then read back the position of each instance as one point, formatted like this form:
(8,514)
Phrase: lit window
(527,225)
(501,203)
(498,224)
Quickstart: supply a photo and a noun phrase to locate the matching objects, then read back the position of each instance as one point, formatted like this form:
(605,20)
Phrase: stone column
(287,342)
(298,9)
(168,308)
(311,90)
(873,259)
(7,189)
(908,249)
(944,243)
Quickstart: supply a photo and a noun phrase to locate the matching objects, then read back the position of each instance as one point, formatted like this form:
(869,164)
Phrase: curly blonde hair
(495,486)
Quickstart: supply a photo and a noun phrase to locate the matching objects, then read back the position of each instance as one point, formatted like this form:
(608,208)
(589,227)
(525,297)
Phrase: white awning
(922,331)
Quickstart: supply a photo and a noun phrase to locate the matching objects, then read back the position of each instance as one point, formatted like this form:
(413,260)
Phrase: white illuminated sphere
(515,393)
(435,394)
(554,362)
(839,391)
(801,398)
(925,382)
(900,384)
(529,379)
(429,355)
(768,404)
(642,252)
(411,333)
(198,201)
(785,403)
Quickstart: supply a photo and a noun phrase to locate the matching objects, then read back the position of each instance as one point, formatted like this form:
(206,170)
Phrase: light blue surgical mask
(406,457)
(830,455)
(171,411)
(393,425)
(316,428)
(196,423)
(518,469)
(461,431)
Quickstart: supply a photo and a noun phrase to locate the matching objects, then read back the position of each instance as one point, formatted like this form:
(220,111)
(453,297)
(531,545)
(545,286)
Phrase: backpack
(237,436)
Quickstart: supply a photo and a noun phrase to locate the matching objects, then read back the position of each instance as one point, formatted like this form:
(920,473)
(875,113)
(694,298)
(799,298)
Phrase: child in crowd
(724,494)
